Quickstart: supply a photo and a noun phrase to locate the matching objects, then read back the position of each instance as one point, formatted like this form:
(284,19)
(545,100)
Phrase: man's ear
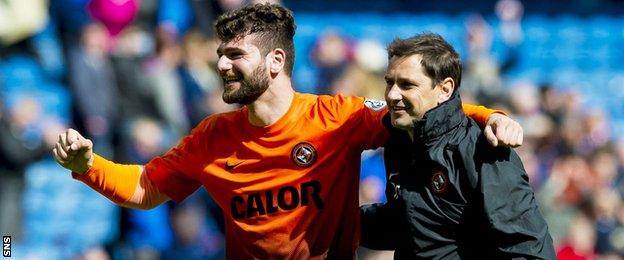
(277,60)
(446,88)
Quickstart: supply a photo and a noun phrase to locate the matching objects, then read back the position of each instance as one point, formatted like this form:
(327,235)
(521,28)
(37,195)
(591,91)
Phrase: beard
(250,89)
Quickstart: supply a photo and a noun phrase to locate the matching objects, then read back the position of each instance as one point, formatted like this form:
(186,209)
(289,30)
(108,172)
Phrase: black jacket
(452,195)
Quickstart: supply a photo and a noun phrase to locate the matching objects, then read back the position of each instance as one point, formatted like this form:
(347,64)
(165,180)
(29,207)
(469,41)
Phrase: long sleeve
(480,114)
(517,228)
(117,182)
(126,185)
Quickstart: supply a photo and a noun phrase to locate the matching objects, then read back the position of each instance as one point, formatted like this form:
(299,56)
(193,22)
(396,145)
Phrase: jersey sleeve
(116,182)
(479,113)
(364,117)
(173,173)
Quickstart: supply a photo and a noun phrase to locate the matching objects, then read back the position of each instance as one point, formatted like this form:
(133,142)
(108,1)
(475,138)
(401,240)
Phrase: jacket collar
(440,119)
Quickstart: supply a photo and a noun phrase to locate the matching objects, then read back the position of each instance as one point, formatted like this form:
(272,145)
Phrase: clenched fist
(73,151)
(502,130)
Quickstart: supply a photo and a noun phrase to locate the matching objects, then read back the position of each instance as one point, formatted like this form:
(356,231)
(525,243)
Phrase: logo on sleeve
(230,166)
(375,105)
(303,154)
(439,182)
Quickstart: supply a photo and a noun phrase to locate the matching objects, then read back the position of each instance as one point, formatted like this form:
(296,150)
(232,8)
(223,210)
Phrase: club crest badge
(303,154)
(375,105)
(439,182)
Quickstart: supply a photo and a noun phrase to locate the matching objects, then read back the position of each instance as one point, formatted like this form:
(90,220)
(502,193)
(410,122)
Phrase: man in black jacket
(450,194)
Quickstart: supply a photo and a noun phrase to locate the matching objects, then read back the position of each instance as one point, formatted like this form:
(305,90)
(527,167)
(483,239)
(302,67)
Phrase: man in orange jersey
(284,168)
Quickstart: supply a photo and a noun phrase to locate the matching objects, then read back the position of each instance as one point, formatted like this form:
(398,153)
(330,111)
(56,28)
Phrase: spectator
(198,75)
(165,82)
(481,79)
(580,244)
(331,56)
(363,77)
(93,80)
(16,153)
(20,19)
(136,96)
(197,235)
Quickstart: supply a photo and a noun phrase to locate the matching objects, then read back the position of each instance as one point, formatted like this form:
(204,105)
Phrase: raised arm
(126,185)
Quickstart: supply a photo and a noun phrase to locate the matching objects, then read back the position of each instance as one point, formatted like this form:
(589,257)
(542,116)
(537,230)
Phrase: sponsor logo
(266,202)
(375,105)
(229,166)
(439,182)
(303,154)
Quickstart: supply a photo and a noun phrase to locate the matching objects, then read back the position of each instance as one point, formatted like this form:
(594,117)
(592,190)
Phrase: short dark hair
(273,25)
(439,59)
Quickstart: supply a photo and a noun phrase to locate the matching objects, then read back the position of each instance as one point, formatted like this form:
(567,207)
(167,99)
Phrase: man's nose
(224,64)
(393,93)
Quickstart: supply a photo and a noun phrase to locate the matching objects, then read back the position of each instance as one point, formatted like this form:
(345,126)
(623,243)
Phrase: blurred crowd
(136,75)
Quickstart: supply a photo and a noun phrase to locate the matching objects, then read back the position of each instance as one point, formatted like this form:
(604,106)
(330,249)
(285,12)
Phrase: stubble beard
(250,89)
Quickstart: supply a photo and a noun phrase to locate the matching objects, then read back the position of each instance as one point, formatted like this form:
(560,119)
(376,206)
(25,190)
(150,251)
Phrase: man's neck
(271,105)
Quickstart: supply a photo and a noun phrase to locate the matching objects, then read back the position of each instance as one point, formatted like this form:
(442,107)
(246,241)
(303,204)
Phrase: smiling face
(410,92)
(243,70)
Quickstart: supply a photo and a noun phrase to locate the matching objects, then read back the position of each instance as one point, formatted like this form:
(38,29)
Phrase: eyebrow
(222,50)
(400,80)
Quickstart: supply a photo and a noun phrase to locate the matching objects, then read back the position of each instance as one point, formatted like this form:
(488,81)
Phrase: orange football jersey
(288,190)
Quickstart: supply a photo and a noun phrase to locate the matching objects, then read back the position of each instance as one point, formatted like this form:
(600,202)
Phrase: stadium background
(135,75)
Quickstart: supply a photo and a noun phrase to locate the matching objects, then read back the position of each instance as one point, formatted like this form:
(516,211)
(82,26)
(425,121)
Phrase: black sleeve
(517,227)
(378,227)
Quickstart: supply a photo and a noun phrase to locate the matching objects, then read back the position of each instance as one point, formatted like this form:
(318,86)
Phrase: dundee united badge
(439,181)
(303,154)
